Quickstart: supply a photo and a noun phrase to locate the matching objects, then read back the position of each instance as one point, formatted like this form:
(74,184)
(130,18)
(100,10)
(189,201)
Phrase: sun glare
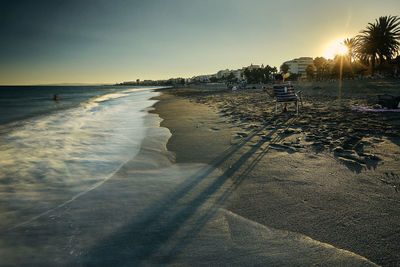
(335,48)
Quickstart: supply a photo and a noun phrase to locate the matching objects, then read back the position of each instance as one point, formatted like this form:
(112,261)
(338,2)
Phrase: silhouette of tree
(380,41)
(320,64)
(231,77)
(310,72)
(284,68)
(259,75)
(351,45)
(341,63)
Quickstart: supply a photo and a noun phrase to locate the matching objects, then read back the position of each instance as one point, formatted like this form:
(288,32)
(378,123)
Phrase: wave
(50,159)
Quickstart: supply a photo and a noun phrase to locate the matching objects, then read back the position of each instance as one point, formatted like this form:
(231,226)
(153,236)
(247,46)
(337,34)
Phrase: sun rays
(335,48)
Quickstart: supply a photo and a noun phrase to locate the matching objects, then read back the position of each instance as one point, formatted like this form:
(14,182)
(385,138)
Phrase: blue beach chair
(284,94)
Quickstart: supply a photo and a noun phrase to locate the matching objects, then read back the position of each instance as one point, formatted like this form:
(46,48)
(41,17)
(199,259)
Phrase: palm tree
(351,45)
(380,41)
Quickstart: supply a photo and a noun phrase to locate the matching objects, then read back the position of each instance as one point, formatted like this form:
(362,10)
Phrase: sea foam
(51,159)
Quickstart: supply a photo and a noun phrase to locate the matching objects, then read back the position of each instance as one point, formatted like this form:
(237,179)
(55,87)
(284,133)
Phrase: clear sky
(104,41)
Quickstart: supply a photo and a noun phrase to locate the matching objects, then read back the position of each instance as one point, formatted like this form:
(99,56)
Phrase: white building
(238,74)
(203,78)
(223,73)
(299,65)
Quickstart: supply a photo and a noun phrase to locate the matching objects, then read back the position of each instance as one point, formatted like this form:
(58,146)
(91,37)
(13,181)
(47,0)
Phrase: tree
(380,41)
(341,67)
(231,77)
(310,72)
(284,68)
(396,66)
(267,71)
(259,75)
(213,79)
(320,64)
(351,45)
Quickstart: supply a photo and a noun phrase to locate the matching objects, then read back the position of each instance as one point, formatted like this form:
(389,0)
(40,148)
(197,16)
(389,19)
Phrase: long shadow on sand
(142,238)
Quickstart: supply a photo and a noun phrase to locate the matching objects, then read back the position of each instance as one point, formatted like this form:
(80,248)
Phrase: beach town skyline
(98,42)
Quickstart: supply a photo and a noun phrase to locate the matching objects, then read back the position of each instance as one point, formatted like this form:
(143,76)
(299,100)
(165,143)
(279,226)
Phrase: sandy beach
(330,173)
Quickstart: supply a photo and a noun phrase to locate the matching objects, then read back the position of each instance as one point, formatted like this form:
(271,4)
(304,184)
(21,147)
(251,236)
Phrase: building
(203,78)
(238,74)
(223,73)
(253,67)
(299,65)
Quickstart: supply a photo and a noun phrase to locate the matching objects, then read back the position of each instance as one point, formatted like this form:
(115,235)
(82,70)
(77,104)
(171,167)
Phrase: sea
(52,151)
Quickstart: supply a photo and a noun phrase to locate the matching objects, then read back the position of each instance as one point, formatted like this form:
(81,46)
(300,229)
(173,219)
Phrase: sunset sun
(335,48)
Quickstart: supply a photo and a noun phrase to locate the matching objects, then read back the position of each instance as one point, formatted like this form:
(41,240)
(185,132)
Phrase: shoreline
(342,198)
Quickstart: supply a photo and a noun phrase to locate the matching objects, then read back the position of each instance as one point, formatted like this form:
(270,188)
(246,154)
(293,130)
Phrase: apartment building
(299,65)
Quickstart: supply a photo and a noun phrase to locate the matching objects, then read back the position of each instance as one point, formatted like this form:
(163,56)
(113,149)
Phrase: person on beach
(269,89)
(279,82)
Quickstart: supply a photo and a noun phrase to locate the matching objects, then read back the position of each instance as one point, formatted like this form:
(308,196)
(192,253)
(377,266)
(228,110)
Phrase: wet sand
(330,173)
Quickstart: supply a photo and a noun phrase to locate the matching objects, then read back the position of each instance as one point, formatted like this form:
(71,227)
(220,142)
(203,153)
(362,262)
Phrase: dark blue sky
(110,41)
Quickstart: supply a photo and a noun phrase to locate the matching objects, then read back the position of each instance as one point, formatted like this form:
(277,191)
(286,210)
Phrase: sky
(103,41)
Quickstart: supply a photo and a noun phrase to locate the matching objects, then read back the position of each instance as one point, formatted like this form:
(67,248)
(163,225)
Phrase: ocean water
(52,151)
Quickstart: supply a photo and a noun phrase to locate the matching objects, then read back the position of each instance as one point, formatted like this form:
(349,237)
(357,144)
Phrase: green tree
(284,68)
(380,41)
(310,72)
(259,75)
(320,64)
(213,79)
(248,74)
(231,77)
(267,71)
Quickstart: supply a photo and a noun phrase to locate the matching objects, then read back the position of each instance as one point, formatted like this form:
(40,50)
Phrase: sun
(335,48)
